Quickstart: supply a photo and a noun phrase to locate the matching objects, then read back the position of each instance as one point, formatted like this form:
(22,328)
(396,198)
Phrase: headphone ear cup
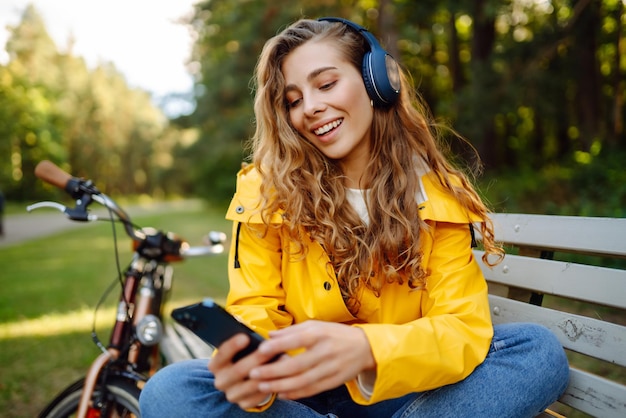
(368,80)
(377,79)
(380,71)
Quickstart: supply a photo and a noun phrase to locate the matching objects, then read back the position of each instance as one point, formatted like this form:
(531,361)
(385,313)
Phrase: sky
(141,37)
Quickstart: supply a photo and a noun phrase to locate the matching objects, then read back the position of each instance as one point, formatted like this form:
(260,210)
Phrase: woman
(352,252)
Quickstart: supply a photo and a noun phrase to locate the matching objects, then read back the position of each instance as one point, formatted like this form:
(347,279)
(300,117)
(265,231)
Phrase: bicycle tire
(123,397)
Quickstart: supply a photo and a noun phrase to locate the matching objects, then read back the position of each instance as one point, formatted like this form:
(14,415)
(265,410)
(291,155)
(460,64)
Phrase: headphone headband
(379,69)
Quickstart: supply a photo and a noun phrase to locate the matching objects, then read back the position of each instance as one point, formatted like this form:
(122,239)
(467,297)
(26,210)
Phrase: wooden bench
(181,344)
(569,274)
(584,303)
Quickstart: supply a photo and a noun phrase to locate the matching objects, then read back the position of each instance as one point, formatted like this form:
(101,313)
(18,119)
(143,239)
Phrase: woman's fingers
(331,354)
(309,381)
(233,378)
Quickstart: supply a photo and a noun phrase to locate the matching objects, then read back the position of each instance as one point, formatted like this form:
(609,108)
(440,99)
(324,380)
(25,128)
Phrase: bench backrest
(585,302)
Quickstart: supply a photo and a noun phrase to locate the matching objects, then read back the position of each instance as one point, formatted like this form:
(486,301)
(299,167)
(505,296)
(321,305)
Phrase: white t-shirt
(356,197)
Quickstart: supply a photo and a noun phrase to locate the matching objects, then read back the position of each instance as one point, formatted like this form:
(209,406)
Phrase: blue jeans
(525,371)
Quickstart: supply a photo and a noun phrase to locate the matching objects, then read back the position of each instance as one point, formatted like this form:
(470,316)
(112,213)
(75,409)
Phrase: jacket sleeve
(256,295)
(453,334)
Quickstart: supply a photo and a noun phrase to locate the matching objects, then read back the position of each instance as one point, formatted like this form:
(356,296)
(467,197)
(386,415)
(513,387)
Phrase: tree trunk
(456,71)
(618,107)
(387,28)
(482,47)
(587,74)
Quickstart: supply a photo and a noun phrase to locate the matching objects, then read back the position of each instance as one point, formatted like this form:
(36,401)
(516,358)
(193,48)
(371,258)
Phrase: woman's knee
(553,354)
(543,344)
(538,349)
(171,386)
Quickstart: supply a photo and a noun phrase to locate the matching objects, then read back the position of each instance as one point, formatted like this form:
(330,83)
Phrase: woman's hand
(334,353)
(234,378)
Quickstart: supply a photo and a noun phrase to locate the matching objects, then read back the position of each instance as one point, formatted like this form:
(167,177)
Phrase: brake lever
(39,205)
(73,214)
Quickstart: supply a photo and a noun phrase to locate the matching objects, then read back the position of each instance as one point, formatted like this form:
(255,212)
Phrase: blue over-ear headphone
(380,70)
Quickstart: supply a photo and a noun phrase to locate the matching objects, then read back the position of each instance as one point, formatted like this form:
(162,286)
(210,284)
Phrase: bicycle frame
(132,353)
(128,307)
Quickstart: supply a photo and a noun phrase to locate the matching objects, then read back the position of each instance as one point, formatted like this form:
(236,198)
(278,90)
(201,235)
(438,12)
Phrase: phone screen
(214,325)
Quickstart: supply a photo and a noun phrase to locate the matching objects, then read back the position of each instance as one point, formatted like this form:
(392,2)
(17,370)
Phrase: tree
(29,128)
(89,121)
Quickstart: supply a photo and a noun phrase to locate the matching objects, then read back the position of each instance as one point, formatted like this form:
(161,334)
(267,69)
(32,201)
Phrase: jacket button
(239,209)
(327,285)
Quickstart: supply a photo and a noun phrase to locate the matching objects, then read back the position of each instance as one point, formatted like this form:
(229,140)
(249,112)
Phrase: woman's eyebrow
(312,75)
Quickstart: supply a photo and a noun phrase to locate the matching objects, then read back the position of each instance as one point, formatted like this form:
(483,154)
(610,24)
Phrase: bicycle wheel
(122,400)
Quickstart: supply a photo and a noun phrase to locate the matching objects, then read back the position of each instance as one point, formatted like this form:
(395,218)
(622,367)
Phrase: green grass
(50,287)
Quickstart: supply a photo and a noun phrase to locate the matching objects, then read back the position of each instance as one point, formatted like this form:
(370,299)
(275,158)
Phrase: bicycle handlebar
(85,192)
(51,173)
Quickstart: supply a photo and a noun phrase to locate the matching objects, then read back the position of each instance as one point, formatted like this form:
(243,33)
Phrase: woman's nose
(313,105)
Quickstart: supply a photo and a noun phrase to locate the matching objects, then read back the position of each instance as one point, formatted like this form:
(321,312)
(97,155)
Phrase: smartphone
(214,325)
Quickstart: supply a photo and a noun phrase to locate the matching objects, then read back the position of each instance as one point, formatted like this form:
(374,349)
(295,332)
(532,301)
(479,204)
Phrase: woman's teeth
(328,127)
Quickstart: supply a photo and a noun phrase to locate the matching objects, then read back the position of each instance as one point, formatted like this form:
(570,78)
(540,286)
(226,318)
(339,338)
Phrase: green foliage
(89,121)
(570,187)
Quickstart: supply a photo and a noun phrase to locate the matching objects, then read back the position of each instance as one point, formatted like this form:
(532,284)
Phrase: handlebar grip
(51,173)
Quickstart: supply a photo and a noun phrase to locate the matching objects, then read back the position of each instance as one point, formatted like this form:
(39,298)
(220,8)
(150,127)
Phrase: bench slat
(568,233)
(600,285)
(172,346)
(195,345)
(595,338)
(595,395)
(181,344)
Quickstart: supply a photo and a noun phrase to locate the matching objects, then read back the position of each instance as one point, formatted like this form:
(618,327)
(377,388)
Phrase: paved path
(19,228)
(44,222)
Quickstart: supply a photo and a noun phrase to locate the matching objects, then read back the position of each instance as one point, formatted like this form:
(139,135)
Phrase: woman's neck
(354,168)
(353,176)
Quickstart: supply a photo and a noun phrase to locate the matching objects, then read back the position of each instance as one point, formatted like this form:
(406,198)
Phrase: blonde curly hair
(299,181)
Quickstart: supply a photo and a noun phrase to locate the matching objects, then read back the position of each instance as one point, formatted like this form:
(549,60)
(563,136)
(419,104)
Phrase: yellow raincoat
(420,339)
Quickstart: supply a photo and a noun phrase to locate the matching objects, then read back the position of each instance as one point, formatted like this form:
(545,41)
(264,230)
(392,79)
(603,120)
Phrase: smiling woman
(352,230)
(329,106)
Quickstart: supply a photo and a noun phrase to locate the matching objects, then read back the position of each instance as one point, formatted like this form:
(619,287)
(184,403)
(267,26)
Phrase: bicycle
(112,385)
